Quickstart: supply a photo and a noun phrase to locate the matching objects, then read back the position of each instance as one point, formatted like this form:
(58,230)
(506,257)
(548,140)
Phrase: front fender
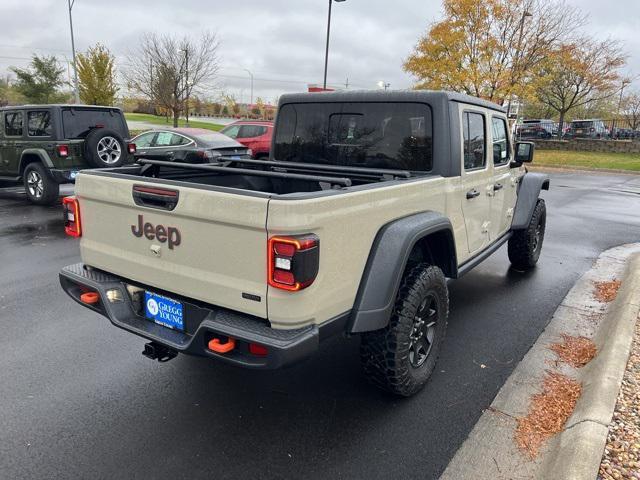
(386,264)
(528,194)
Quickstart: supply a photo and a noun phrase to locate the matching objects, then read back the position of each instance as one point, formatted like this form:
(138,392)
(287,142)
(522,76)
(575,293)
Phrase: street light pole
(73,50)
(250,75)
(525,14)
(326,53)
(625,82)
(186,81)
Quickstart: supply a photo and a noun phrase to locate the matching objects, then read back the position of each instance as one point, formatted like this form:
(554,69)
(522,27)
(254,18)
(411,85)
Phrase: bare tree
(631,109)
(168,70)
(580,73)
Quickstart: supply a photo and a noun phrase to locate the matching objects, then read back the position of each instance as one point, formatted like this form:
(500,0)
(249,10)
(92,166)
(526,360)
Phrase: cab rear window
(373,135)
(77,123)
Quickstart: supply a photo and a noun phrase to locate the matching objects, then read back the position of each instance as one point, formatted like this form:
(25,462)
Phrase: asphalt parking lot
(80,401)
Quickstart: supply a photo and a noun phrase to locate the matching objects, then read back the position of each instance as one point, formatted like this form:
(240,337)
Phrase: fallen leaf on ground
(606,291)
(576,351)
(549,411)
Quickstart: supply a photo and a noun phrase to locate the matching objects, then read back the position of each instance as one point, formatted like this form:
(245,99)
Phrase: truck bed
(259,177)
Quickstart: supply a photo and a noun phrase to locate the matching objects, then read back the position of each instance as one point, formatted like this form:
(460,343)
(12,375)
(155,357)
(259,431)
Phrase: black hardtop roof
(59,105)
(426,96)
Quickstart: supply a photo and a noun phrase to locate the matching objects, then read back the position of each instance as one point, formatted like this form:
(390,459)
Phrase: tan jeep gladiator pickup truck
(369,203)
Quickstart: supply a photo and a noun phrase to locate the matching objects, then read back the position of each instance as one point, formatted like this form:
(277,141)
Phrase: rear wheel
(41,189)
(401,357)
(525,245)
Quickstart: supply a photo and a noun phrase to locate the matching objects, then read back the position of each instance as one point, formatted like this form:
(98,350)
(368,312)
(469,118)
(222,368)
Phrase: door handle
(472,194)
(497,186)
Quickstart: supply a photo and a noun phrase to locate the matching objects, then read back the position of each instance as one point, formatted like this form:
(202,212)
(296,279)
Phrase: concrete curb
(578,450)
(490,452)
(572,169)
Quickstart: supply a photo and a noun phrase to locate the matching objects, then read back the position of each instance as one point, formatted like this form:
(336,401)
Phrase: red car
(255,135)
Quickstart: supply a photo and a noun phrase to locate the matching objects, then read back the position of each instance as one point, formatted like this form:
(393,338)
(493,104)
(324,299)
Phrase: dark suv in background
(592,128)
(537,128)
(46,145)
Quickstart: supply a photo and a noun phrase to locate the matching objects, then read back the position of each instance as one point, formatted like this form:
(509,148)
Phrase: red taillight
(132,148)
(258,350)
(283,277)
(63,150)
(71,209)
(284,249)
(293,261)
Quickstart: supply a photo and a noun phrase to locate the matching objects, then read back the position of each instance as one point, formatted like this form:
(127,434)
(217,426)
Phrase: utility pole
(73,50)
(346,84)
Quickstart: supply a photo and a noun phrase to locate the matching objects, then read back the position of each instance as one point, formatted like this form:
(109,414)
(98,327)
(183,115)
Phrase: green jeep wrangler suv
(46,145)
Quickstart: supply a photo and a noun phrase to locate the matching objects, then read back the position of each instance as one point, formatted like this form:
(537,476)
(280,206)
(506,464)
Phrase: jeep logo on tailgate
(163,234)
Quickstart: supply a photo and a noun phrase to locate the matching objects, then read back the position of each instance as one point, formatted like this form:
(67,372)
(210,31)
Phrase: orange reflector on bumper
(90,297)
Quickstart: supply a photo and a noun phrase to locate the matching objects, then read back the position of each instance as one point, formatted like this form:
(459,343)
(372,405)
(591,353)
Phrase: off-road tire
(525,245)
(386,354)
(45,190)
(92,143)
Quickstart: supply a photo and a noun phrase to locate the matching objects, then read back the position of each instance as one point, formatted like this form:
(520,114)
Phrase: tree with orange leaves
(491,49)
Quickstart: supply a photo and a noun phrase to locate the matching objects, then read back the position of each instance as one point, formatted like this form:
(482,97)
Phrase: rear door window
(168,139)
(39,123)
(251,131)
(474,140)
(145,140)
(78,122)
(13,124)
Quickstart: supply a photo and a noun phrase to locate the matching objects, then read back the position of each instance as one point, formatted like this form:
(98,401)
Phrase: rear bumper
(63,176)
(202,323)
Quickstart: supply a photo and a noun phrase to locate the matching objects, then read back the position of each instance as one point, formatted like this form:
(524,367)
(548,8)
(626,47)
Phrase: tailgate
(210,247)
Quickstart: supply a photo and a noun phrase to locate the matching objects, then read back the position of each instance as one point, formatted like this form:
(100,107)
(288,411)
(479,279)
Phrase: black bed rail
(344,182)
(381,172)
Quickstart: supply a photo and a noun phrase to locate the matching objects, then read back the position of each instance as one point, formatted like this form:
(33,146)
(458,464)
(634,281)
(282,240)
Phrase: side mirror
(524,152)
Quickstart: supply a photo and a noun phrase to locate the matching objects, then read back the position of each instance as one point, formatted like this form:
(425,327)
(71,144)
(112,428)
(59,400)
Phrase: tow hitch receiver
(217,346)
(155,351)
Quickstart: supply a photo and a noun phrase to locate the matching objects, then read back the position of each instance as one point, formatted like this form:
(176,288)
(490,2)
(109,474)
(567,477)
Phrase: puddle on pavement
(35,232)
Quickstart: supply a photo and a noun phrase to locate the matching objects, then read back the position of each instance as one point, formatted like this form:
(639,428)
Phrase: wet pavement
(78,400)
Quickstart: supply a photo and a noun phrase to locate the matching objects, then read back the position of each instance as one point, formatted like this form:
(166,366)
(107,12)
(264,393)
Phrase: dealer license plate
(163,311)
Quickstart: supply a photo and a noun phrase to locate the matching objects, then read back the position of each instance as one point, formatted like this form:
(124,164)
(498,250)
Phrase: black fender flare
(528,192)
(41,153)
(386,264)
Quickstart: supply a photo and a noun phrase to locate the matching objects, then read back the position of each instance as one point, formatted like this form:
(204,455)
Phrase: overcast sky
(281,41)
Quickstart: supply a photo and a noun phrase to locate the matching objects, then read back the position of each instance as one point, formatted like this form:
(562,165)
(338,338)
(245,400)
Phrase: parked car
(591,128)
(46,145)
(372,201)
(537,128)
(625,133)
(255,135)
(191,145)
